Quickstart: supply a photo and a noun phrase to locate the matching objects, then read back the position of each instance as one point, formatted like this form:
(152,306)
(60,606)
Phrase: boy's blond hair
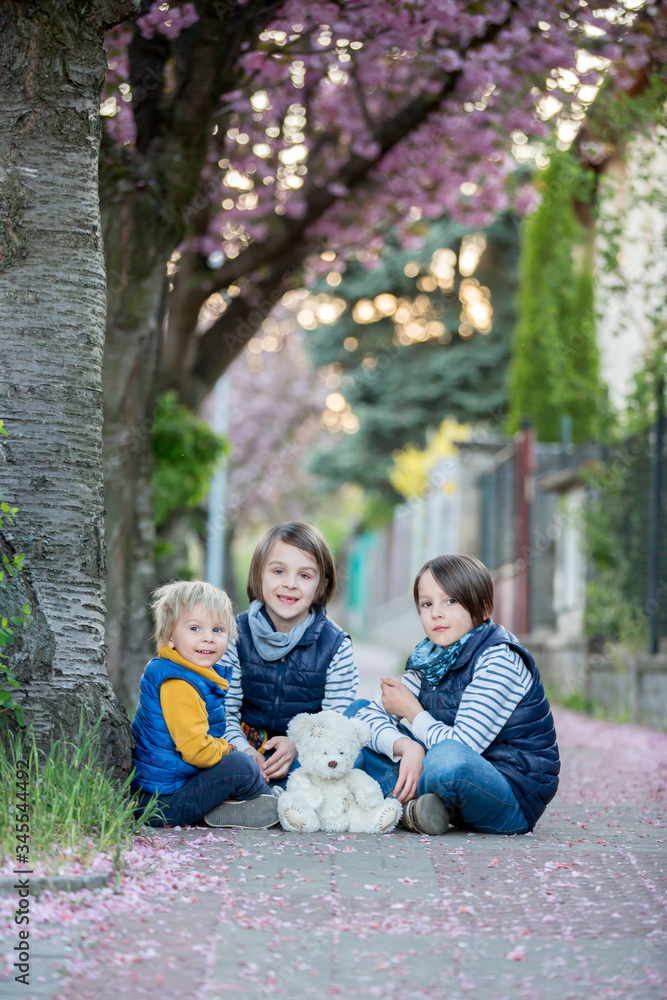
(168,603)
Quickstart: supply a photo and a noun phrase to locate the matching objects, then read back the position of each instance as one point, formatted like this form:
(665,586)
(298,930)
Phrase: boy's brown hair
(168,603)
(464,578)
(302,536)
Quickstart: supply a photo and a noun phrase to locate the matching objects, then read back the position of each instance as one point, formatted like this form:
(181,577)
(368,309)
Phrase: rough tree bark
(51,344)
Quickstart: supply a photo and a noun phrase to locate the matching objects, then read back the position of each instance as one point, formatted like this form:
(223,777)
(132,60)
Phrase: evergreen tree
(554,368)
(399,388)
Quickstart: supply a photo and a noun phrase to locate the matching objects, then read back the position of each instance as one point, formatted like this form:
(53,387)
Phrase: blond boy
(179,725)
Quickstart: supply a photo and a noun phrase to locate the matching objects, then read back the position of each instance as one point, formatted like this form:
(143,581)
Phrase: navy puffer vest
(158,764)
(525,750)
(275,691)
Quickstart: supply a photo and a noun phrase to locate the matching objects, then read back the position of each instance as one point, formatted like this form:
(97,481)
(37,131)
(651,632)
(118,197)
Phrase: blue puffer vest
(158,764)
(525,750)
(274,692)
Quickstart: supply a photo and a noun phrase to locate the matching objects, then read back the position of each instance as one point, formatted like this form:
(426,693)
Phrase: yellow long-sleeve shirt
(186,716)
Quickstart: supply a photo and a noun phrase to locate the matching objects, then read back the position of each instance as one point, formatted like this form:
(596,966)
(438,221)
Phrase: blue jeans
(479,795)
(235,776)
(350,712)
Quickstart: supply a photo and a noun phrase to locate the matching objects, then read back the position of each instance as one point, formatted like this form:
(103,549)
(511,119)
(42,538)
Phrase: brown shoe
(427,814)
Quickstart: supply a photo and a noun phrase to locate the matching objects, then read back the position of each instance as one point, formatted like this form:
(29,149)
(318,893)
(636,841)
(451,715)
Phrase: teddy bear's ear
(300,726)
(361,730)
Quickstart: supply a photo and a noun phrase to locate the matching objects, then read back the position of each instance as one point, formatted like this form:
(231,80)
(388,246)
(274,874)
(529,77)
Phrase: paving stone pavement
(553,915)
(574,911)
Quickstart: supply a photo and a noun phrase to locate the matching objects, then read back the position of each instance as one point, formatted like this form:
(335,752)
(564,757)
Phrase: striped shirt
(339,691)
(499,682)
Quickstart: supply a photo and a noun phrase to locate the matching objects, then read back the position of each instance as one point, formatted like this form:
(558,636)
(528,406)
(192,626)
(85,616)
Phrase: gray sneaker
(427,814)
(249,814)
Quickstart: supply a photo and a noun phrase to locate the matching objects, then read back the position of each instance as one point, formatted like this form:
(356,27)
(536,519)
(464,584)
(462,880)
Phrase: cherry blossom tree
(252,144)
(275,408)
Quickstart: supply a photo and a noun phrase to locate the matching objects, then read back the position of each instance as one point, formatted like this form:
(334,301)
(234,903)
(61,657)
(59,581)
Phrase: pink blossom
(526,199)
(517,954)
(409,52)
(167,20)
(270,443)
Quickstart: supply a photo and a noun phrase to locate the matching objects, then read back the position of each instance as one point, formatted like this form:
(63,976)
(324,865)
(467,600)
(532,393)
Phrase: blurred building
(515,505)
(518,505)
(631,261)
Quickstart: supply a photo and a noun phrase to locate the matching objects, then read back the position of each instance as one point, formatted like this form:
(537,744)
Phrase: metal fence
(629,468)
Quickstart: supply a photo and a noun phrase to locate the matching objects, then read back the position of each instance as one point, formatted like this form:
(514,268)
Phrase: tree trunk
(136,251)
(153,197)
(52,337)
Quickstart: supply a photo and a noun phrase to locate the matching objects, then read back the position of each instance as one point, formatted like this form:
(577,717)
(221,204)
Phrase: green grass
(76,808)
(575,701)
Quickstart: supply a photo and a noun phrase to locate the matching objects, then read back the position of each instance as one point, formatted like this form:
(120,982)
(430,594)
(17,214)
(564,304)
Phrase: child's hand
(280,761)
(256,755)
(397,700)
(410,769)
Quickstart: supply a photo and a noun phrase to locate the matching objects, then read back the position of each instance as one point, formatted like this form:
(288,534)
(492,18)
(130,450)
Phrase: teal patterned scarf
(433,661)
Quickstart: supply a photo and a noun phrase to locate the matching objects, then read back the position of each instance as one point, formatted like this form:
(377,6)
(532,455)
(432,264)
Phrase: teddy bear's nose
(332,763)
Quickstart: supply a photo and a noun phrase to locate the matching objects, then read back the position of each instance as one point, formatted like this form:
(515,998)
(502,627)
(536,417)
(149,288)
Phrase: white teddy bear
(327,792)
